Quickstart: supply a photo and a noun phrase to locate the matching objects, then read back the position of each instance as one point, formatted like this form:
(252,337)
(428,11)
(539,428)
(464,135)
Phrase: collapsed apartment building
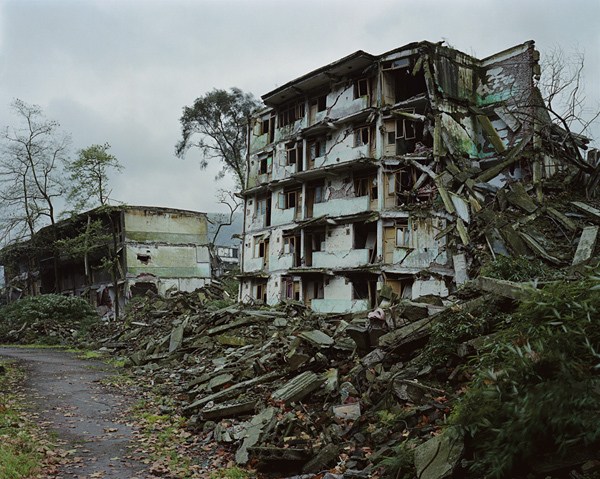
(156,249)
(396,173)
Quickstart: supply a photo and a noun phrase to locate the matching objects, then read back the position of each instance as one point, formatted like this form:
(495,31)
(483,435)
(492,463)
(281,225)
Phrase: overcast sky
(121,71)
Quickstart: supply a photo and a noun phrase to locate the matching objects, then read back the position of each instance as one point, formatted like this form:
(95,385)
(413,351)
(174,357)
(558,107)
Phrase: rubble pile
(291,392)
(285,387)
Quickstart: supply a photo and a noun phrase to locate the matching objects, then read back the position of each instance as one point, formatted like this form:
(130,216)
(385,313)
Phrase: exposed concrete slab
(461,275)
(438,457)
(508,289)
(587,244)
(587,209)
(298,388)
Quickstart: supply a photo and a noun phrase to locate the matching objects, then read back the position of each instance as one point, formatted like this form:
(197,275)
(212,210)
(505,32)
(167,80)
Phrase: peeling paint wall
(153,225)
(338,251)
(338,298)
(169,261)
(411,140)
(167,244)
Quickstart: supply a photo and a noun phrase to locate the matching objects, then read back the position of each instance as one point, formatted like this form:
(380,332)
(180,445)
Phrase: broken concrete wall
(169,226)
(342,148)
(341,198)
(339,251)
(339,296)
(256,212)
(429,286)
(284,164)
(170,245)
(252,260)
(168,260)
(440,147)
(411,242)
(343,100)
(281,211)
(281,256)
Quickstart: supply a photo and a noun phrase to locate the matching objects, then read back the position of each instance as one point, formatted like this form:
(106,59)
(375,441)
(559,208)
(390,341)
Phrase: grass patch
(21,445)
(162,436)
(232,472)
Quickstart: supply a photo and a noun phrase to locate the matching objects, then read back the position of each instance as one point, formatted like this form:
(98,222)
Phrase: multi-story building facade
(368,171)
(157,249)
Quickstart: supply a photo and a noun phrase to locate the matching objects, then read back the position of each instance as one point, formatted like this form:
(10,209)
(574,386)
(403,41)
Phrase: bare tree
(561,85)
(232,202)
(570,128)
(31,159)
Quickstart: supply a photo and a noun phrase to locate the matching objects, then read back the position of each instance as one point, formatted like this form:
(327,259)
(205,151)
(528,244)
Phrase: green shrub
(454,328)
(518,269)
(536,389)
(400,465)
(47,319)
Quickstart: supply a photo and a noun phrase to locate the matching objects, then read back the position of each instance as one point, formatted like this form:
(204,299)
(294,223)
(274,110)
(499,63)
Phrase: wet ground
(70,401)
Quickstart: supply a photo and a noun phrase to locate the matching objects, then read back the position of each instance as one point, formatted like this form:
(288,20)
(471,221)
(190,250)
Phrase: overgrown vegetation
(536,389)
(456,327)
(519,268)
(401,464)
(46,319)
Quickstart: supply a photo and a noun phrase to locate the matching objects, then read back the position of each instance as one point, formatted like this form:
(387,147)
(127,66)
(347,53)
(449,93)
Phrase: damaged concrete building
(375,175)
(157,249)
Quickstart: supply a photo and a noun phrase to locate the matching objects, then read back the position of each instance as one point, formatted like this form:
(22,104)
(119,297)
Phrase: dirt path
(73,403)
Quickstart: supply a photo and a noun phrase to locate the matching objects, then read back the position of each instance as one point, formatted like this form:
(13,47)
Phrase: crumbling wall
(339,252)
(341,101)
(279,214)
(167,260)
(255,219)
(341,149)
(429,287)
(338,297)
(163,226)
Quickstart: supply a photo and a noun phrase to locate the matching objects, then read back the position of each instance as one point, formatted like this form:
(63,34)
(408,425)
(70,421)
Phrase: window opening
(361,88)
(291,114)
(362,136)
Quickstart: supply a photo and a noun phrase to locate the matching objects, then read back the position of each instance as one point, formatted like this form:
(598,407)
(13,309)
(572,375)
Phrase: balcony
(342,206)
(282,217)
(340,259)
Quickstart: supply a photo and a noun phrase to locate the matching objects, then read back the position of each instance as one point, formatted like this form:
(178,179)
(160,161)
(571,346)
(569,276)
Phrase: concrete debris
(347,412)
(315,391)
(318,338)
(253,433)
(507,289)
(325,458)
(438,457)
(298,388)
(586,245)
(592,212)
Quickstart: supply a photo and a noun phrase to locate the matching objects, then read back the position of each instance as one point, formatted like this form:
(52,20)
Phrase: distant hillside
(227,231)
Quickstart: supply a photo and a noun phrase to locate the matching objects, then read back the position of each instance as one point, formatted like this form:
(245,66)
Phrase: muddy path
(71,402)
